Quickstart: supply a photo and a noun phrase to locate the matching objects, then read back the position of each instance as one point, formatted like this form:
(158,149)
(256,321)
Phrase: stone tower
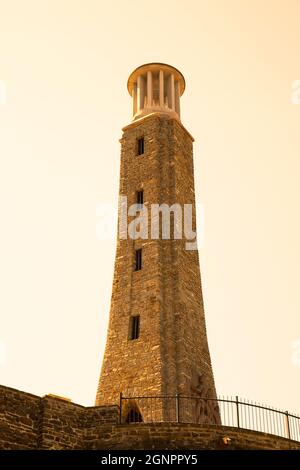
(156,342)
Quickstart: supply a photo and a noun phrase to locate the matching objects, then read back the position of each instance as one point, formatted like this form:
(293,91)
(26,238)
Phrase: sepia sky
(64,65)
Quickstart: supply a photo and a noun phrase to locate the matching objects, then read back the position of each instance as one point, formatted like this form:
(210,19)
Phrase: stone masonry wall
(19,419)
(167,436)
(31,422)
(171,355)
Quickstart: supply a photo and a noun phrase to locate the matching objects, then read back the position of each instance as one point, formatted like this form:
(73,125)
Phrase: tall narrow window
(138,259)
(140,197)
(134,327)
(140,146)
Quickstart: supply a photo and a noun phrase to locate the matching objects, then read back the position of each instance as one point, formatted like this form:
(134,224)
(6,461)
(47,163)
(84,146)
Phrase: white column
(161,89)
(149,89)
(172,93)
(177,97)
(134,98)
(138,94)
(143,92)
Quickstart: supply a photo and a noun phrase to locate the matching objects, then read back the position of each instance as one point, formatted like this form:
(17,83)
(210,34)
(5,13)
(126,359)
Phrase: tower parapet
(156,87)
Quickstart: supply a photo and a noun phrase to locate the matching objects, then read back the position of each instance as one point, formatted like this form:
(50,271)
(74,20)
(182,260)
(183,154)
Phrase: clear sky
(65,65)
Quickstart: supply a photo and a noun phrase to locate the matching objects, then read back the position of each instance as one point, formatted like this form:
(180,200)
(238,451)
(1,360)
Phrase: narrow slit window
(138,259)
(140,197)
(134,327)
(140,146)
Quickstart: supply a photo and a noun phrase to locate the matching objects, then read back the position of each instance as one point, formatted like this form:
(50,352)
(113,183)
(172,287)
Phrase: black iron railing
(223,411)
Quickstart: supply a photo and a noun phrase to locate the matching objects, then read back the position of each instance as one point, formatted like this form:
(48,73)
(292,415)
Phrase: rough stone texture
(31,422)
(20,419)
(167,436)
(171,356)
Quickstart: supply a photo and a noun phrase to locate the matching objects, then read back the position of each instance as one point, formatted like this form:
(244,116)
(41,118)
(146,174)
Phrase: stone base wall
(31,422)
(173,436)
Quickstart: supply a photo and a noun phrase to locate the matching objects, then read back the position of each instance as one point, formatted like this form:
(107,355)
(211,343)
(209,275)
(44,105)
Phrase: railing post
(177,407)
(237,411)
(287,424)
(121,399)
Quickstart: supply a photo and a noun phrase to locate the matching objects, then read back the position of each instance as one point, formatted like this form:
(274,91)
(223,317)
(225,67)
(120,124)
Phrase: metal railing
(224,411)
